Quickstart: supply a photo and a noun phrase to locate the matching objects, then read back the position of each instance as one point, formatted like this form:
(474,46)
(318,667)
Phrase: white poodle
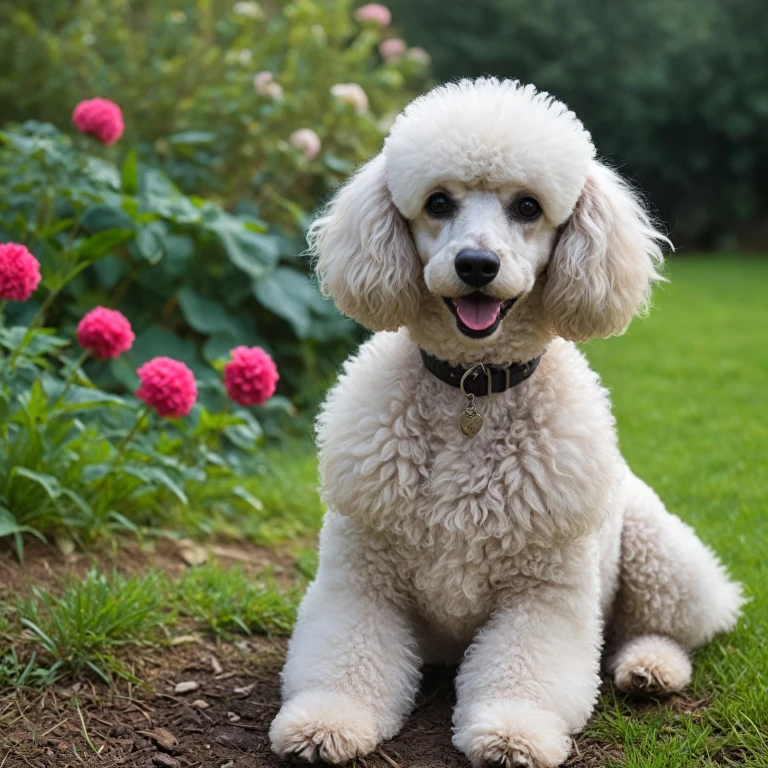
(500,531)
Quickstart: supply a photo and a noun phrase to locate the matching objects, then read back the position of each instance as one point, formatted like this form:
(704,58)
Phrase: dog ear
(605,262)
(365,256)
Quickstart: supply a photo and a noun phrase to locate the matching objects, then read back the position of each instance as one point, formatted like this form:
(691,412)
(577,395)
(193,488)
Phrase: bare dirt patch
(222,723)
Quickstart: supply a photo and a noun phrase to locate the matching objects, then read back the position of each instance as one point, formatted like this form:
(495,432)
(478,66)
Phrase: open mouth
(478,315)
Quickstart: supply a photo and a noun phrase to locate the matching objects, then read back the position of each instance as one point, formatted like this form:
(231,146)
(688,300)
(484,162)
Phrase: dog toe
(320,726)
(651,665)
(515,759)
(512,735)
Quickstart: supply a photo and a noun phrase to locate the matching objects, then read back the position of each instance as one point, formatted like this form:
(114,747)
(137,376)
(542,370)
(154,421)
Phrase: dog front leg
(531,676)
(351,674)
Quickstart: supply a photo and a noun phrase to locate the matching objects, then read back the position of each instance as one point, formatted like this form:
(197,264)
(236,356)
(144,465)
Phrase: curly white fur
(366,259)
(521,552)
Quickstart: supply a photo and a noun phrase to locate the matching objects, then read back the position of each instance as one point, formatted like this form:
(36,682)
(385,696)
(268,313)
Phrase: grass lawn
(689,390)
(689,387)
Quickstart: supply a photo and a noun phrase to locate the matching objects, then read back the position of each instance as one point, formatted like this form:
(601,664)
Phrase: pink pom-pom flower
(105,333)
(375,12)
(19,272)
(101,118)
(391,49)
(168,386)
(250,378)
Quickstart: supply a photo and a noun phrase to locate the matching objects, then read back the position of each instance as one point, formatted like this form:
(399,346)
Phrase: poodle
(479,510)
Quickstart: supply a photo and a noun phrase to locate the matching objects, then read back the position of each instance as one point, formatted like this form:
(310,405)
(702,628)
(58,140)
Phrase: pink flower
(352,94)
(391,49)
(19,272)
(250,378)
(168,386)
(379,14)
(306,141)
(106,333)
(100,118)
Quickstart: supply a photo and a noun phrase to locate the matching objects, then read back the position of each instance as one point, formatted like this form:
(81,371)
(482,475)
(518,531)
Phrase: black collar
(503,377)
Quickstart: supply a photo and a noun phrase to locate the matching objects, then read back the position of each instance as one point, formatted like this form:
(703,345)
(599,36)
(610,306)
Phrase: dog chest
(540,472)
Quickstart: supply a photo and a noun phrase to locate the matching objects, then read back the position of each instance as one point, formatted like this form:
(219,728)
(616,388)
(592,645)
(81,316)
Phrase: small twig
(51,730)
(247,727)
(387,759)
(103,722)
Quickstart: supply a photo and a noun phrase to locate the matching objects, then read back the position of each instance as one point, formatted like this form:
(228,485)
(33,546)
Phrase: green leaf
(289,294)
(150,245)
(102,217)
(244,436)
(101,244)
(205,315)
(130,174)
(248,498)
(48,483)
(179,251)
(255,253)
(9,526)
(109,270)
(159,195)
(155,475)
(192,137)
(280,403)
(336,163)
(84,398)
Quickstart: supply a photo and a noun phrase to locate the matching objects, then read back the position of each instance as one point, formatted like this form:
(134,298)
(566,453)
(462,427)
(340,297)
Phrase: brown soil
(157,728)
(86,723)
(46,565)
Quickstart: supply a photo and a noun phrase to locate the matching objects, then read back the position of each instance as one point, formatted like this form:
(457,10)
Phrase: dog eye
(526,207)
(439,204)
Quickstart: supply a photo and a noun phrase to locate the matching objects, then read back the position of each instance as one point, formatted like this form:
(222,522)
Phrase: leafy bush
(677,91)
(77,459)
(73,456)
(183,72)
(194,279)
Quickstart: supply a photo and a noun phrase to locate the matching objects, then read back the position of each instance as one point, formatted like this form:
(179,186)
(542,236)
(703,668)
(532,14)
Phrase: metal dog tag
(470,421)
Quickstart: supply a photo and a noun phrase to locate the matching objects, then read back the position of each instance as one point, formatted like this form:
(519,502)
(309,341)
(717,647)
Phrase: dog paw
(651,664)
(511,735)
(320,725)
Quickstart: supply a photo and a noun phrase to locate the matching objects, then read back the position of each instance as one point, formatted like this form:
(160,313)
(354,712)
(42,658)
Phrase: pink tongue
(477,312)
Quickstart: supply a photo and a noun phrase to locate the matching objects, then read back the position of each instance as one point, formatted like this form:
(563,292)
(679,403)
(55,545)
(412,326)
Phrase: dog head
(486,226)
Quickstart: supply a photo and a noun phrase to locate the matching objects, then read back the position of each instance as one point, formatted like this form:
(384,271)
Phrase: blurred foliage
(674,91)
(183,74)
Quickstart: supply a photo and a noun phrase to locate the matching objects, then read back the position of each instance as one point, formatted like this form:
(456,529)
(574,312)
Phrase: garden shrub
(77,452)
(215,89)
(195,280)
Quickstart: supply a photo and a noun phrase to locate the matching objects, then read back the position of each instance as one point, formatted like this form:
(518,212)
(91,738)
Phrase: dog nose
(476,267)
